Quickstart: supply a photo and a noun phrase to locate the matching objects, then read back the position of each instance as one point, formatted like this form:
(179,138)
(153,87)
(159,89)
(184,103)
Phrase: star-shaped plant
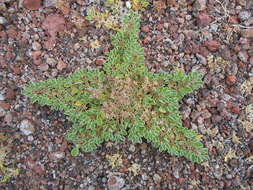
(124,99)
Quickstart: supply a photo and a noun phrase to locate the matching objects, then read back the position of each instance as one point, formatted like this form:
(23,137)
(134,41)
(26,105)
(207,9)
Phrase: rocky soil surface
(42,39)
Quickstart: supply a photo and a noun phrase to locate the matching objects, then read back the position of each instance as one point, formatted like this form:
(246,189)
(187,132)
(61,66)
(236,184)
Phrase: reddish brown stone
(181,180)
(236,109)
(36,54)
(237,48)
(229,105)
(32,4)
(5,106)
(145,28)
(16,70)
(159,37)
(212,45)
(64,146)
(247,33)
(159,27)
(99,62)
(231,79)
(241,65)
(53,24)
(203,20)
(37,62)
(3,34)
(233,20)
(111,181)
(37,168)
(12,33)
(147,40)
(203,51)
(10,94)
(9,55)
(64,7)
(61,65)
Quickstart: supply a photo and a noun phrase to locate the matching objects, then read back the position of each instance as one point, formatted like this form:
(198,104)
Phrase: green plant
(124,99)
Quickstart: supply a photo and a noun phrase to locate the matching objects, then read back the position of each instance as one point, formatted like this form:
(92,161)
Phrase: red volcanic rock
(32,4)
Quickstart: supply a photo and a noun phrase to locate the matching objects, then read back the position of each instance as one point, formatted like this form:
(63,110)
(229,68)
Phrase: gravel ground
(41,40)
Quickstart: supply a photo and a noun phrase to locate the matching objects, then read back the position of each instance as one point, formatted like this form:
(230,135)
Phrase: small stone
(251,145)
(53,24)
(214,27)
(144,177)
(249,173)
(233,20)
(203,51)
(115,183)
(26,127)
(12,33)
(166,25)
(43,67)
(244,15)
(231,79)
(99,61)
(145,29)
(243,56)
(3,20)
(176,173)
(76,46)
(37,168)
(5,106)
(36,46)
(251,60)
(36,54)
(61,65)
(51,61)
(247,33)
(200,5)
(147,40)
(229,176)
(218,172)
(8,118)
(2,6)
(37,62)
(249,21)
(30,138)
(57,155)
(160,27)
(128,4)
(236,109)
(203,20)
(2,98)
(212,45)
(2,112)
(16,70)
(10,94)
(132,148)
(143,147)
(166,63)
(157,179)
(91,187)
(32,4)
(49,3)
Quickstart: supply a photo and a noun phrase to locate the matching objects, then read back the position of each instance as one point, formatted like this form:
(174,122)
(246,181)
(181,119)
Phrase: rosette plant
(124,100)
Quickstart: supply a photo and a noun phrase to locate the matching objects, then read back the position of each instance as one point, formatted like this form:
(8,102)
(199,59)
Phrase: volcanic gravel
(41,40)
